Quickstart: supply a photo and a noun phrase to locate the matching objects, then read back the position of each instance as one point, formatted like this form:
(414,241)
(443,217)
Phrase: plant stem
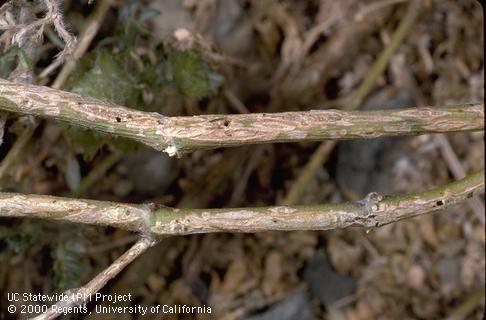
(472,301)
(178,135)
(97,173)
(22,73)
(458,172)
(151,219)
(92,26)
(15,152)
(368,83)
(308,172)
(79,296)
(382,60)
(93,23)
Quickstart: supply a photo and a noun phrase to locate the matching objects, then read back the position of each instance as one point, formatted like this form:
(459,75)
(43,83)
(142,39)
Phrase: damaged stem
(178,135)
(154,220)
(87,293)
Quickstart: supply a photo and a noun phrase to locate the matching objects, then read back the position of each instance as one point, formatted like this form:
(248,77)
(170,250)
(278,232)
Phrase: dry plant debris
(185,58)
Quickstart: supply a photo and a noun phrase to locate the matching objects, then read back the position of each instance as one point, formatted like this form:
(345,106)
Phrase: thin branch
(97,173)
(472,301)
(22,32)
(55,17)
(177,135)
(17,149)
(365,87)
(82,295)
(366,10)
(375,210)
(22,73)
(448,154)
(319,157)
(87,35)
(458,172)
(382,60)
(92,26)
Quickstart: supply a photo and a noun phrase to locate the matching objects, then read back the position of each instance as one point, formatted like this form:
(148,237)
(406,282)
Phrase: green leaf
(68,262)
(193,75)
(67,268)
(22,237)
(103,76)
(8,61)
(19,242)
(91,141)
(126,145)
(108,80)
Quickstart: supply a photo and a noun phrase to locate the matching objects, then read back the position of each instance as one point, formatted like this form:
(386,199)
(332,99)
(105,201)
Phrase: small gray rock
(294,307)
(325,283)
(449,270)
(150,171)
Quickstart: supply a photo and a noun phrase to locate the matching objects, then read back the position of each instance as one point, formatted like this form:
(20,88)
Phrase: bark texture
(178,135)
(373,211)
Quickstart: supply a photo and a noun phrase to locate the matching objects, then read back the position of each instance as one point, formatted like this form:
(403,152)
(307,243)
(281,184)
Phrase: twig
(382,61)
(375,210)
(22,73)
(214,180)
(87,36)
(366,10)
(308,172)
(85,40)
(97,172)
(22,32)
(458,172)
(448,154)
(234,101)
(472,301)
(133,280)
(79,296)
(129,239)
(177,135)
(92,25)
(242,182)
(17,148)
(320,156)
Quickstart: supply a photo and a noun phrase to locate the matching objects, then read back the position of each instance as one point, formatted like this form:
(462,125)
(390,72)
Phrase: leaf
(67,268)
(68,262)
(126,145)
(19,242)
(21,238)
(8,60)
(103,77)
(108,80)
(118,78)
(192,74)
(91,141)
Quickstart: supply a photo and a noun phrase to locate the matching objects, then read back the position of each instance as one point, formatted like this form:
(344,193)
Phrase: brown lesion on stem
(177,135)
(156,220)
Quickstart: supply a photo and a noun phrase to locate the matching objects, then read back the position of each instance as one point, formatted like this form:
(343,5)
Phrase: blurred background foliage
(256,56)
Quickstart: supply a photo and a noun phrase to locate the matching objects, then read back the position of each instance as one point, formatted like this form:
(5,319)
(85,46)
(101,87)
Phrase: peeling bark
(374,211)
(178,135)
